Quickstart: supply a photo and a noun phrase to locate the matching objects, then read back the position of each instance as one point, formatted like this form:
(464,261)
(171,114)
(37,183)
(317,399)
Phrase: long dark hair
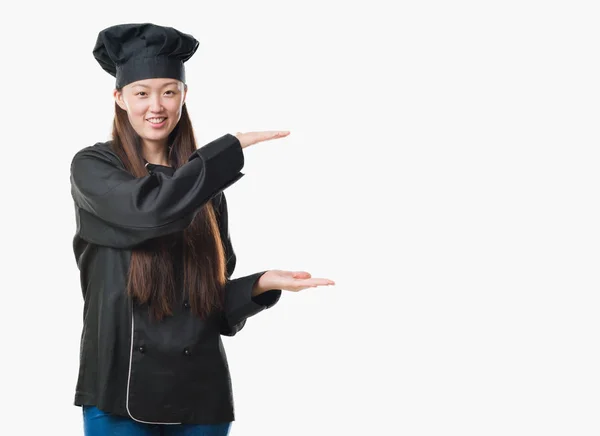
(151,277)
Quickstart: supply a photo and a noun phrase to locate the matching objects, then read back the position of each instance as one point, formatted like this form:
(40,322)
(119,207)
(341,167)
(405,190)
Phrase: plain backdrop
(442,168)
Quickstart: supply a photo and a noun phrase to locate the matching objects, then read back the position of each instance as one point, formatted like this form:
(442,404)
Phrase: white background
(442,168)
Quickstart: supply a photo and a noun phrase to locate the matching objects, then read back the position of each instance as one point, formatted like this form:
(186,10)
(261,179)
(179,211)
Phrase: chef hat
(133,52)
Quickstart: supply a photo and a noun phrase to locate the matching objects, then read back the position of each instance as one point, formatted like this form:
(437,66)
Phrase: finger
(273,134)
(307,287)
(316,282)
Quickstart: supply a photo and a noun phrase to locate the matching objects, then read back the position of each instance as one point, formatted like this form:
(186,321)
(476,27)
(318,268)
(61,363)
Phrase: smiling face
(153,107)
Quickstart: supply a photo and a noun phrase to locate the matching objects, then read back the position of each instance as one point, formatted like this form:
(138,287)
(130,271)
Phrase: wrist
(259,286)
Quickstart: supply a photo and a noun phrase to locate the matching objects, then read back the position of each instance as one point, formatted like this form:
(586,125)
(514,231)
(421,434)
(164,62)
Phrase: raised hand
(247,139)
(293,281)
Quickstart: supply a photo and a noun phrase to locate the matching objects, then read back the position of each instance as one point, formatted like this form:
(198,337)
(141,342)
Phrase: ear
(184,93)
(119,99)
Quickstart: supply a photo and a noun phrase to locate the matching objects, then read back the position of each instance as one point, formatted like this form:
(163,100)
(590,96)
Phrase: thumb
(301,275)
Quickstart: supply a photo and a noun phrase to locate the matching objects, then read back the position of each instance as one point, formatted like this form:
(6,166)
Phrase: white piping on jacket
(129,378)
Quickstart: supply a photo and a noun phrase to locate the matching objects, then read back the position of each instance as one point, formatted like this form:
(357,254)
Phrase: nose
(155,104)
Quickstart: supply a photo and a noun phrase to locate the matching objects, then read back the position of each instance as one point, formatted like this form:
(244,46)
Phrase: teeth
(156,120)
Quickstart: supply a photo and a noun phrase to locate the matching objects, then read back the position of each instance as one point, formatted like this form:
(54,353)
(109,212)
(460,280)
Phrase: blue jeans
(99,423)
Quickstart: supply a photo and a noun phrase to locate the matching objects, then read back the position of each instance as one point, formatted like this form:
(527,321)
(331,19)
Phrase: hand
(247,139)
(288,281)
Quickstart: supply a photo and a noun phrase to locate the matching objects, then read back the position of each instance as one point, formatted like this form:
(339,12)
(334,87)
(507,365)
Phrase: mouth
(156,120)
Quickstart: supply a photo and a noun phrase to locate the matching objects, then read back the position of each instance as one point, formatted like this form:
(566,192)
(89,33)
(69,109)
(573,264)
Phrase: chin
(154,137)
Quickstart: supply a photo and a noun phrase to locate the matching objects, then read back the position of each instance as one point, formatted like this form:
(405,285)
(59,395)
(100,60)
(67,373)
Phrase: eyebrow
(166,84)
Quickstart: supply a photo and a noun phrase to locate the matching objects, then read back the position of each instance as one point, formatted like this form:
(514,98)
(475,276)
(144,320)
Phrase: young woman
(154,253)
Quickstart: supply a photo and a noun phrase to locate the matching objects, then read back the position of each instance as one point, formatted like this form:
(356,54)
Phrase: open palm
(291,280)
(250,138)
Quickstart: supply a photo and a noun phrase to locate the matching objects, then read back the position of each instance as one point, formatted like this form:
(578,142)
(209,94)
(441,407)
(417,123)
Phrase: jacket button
(187,351)
(186,304)
(142,349)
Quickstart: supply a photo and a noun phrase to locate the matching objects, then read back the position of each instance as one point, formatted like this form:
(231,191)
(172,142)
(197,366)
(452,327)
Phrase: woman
(154,253)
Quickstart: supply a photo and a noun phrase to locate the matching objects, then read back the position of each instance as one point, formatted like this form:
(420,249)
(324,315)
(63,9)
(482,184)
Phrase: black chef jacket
(175,370)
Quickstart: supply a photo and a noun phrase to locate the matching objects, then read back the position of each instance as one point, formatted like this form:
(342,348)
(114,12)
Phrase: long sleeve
(239,303)
(115,208)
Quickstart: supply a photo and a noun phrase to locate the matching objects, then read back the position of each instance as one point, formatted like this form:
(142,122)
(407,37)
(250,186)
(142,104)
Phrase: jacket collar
(155,168)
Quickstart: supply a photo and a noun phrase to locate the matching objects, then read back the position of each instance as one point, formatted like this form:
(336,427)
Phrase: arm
(120,210)
(240,304)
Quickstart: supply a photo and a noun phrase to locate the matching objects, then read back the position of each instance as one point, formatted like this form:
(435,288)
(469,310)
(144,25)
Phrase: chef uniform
(174,370)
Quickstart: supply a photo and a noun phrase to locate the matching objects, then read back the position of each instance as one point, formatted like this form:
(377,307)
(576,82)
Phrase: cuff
(227,148)
(239,303)
(223,160)
(268,298)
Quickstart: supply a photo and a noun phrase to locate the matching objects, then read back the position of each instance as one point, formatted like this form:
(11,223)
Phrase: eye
(141,92)
(172,92)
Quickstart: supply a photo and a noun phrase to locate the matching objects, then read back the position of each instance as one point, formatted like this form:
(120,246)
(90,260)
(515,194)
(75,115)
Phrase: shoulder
(100,151)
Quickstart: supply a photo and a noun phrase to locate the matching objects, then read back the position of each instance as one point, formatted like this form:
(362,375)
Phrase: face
(153,107)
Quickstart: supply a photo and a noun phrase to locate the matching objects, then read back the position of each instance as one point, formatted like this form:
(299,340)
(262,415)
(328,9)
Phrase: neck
(156,153)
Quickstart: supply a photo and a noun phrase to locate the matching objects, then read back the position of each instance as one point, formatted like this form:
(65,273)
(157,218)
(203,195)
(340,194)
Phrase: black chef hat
(133,52)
